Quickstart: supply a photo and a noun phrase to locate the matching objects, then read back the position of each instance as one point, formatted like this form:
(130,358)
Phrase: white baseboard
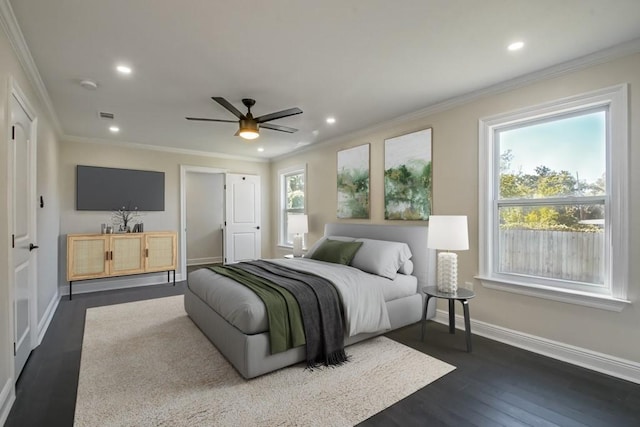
(600,362)
(122,282)
(43,325)
(202,261)
(7,397)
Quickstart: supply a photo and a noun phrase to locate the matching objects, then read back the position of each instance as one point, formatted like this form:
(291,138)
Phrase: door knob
(258,228)
(32,247)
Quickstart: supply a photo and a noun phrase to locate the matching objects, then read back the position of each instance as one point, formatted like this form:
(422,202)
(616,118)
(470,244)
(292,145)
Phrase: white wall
(205,217)
(47,218)
(455,185)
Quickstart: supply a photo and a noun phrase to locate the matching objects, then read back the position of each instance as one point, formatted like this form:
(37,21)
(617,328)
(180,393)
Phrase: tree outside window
(554,200)
(292,190)
(551,198)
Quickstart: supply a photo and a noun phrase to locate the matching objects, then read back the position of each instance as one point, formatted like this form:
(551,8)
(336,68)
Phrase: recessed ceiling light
(123,69)
(331,120)
(114,129)
(260,149)
(516,46)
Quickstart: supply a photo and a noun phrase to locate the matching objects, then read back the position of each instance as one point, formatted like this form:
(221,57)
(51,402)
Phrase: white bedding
(363,296)
(402,286)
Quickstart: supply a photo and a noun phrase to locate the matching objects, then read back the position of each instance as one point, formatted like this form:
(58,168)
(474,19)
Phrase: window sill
(602,302)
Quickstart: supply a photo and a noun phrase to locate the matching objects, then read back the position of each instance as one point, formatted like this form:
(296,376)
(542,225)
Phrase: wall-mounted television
(108,189)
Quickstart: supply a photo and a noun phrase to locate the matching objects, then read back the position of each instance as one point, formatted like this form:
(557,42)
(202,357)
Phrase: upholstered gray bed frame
(250,355)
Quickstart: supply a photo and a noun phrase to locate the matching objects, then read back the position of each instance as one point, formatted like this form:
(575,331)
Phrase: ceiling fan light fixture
(248,129)
(248,125)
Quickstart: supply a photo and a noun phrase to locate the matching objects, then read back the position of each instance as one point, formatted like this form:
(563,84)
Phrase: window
(292,198)
(553,200)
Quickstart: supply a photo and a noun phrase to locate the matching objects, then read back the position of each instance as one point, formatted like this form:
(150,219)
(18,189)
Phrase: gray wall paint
(205,216)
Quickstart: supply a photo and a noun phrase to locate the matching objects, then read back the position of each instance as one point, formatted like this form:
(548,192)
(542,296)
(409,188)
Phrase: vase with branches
(124,217)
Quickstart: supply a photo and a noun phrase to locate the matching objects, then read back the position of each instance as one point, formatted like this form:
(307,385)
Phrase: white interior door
(242,235)
(22,176)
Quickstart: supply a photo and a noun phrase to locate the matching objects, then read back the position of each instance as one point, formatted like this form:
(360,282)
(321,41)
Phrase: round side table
(463,295)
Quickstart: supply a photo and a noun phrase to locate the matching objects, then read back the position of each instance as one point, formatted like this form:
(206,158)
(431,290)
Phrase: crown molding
(18,43)
(596,58)
(173,150)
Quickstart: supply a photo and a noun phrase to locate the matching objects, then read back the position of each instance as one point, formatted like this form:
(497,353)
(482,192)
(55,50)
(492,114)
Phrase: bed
(241,333)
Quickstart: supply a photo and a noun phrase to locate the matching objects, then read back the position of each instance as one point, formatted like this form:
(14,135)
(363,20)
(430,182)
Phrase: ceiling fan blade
(278,115)
(278,127)
(211,120)
(226,104)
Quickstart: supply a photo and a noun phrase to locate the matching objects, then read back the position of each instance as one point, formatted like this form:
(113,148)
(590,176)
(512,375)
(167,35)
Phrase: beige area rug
(147,364)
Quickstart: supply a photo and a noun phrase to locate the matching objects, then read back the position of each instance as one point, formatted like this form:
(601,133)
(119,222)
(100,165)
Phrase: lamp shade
(297,224)
(448,232)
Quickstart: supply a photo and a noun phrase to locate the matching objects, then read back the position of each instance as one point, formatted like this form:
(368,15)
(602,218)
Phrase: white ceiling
(362,61)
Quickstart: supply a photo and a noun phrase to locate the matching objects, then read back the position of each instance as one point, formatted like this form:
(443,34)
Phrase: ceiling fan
(250,125)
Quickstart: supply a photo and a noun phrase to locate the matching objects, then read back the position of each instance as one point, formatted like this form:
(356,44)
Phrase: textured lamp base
(447,277)
(297,245)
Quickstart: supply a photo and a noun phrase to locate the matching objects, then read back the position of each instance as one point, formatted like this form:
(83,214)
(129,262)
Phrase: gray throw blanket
(320,307)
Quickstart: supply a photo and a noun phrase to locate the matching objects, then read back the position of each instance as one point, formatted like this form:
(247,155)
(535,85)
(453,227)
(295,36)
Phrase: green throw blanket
(301,308)
(285,322)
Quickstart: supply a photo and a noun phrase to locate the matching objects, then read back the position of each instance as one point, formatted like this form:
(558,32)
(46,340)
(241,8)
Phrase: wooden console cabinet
(95,256)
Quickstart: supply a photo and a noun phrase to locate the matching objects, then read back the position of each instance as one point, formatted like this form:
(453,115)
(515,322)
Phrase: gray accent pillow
(336,251)
(381,257)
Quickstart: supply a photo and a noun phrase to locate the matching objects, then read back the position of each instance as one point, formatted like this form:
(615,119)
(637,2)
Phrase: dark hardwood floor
(495,385)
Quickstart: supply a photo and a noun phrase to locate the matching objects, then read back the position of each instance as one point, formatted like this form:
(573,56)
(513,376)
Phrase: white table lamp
(297,225)
(448,233)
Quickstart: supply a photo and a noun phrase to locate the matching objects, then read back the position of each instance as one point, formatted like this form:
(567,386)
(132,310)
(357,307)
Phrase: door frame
(14,90)
(184,169)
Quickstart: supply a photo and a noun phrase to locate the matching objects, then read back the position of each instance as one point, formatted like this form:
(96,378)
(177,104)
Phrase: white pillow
(317,244)
(406,268)
(381,257)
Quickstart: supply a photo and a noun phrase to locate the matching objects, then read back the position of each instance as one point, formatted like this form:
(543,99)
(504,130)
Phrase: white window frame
(613,295)
(283,240)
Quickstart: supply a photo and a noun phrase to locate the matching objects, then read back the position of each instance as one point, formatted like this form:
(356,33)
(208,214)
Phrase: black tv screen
(108,189)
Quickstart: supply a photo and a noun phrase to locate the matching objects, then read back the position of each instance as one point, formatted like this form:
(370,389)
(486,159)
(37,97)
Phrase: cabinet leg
(70,292)
(174,277)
